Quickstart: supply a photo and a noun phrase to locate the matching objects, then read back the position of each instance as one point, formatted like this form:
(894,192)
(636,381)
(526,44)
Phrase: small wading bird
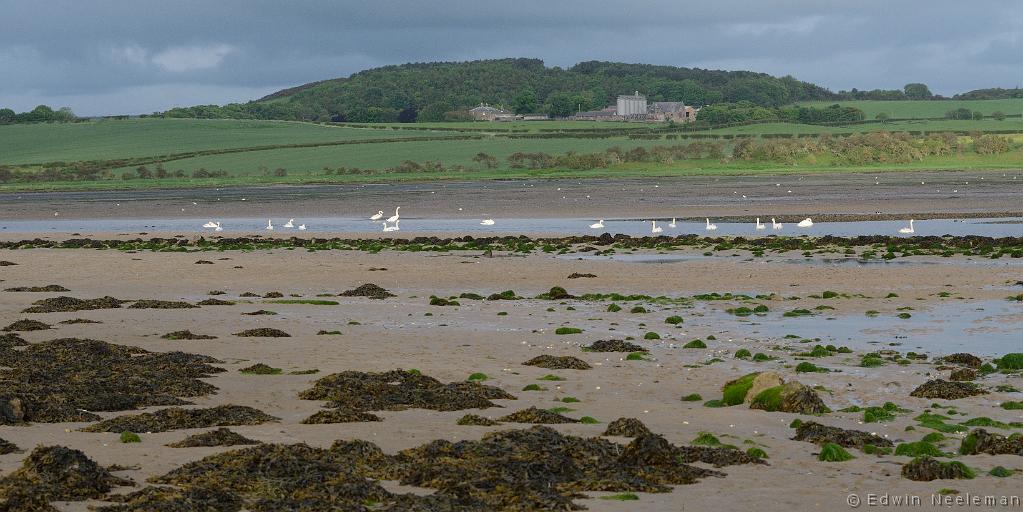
(909,229)
(394,218)
(654,228)
(759,225)
(379,215)
(711,227)
(805,223)
(290,223)
(775,225)
(598,225)
(269,225)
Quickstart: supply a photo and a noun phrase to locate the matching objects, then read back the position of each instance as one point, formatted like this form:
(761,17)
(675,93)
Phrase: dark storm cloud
(113,56)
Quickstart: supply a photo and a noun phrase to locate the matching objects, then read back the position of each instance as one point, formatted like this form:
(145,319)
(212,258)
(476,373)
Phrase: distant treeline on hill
(40,114)
(445,90)
(745,111)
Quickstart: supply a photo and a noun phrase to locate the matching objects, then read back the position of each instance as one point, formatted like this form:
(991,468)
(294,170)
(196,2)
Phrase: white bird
(301,227)
(218,228)
(805,223)
(759,225)
(396,228)
(390,228)
(598,225)
(711,227)
(379,215)
(290,223)
(909,229)
(672,223)
(775,225)
(487,222)
(210,224)
(394,218)
(654,228)
(269,225)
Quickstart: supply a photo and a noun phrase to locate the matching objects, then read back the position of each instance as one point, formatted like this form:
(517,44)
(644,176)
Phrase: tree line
(745,111)
(40,114)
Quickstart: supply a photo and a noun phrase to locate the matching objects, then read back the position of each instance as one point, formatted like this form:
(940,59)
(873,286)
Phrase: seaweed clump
(537,417)
(60,380)
(177,418)
(169,499)
(925,469)
(368,290)
(215,302)
(219,437)
(614,346)
(55,473)
(626,427)
(261,369)
(27,325)
(963,359)
(947,390)
(340,416)
(477,420)
(263,332)
(8,447)
(161,304)
(187,335)
(816,433)
(47,288)
(982,441)
(64,304)
(558,362)
(400,389)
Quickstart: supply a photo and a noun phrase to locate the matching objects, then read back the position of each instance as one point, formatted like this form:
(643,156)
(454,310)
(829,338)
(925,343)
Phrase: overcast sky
(137,56)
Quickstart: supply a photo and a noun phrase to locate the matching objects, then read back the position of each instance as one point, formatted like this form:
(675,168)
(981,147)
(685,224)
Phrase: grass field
(924,109)
(110,139)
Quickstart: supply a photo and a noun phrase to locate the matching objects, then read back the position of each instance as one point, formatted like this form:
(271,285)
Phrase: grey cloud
(84,53)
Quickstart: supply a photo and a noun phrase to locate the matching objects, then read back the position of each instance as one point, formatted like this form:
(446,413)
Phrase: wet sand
(828,196)
(456,341)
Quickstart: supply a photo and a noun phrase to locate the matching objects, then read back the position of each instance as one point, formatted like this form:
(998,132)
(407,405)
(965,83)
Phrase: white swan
(487,222)
(210,224)
(301,227)
(909,229)
(759,225)
(290,223)
(218,228)
(805,223)
(388,229)
(672,223)
(394,217)
(711,227)
(775,225)
(396,228)
(598,225)
(269,225)
(379,215)
(654,228)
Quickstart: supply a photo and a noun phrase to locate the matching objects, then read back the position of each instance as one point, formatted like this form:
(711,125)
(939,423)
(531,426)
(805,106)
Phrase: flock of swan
(390,224)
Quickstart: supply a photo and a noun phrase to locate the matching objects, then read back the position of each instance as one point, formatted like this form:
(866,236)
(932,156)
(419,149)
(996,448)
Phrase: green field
(111,139)
(924,109)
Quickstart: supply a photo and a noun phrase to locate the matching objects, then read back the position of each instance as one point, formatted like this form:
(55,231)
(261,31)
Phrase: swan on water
(210,224)
(711,227)
(909,229)
(759,225)
(775,225)
(394,217)
(598,225)
(654,228)
(217,227)
(290,223)
(301,227)
(805,223)
(487,222)
(672,223)
(379,215)
(269,225)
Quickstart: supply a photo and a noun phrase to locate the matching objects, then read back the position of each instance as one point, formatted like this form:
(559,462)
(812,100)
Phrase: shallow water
(555,226)
(991,328)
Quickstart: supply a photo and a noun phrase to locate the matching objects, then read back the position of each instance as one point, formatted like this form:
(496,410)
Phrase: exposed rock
(762,381)
(792,397)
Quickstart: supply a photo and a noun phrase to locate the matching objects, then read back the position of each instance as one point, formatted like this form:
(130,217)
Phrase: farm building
(671,111)
(487,113)
(632,106)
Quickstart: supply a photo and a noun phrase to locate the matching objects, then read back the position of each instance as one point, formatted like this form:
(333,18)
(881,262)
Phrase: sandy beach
(495,337)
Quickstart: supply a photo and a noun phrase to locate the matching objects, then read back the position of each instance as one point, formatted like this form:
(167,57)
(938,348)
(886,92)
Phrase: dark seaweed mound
(558,362)
(947,390)
(187,335)
(67,304)
(47,288)
(59,380)
(263,332)
(161,304)
(340,416)
(215,302)
(368,290)
(816,433)
(54,473)
(477,420)
(614,346)
(537,417)
(27,325)
(177,418)
(399,389)
(219,437)
(626,427)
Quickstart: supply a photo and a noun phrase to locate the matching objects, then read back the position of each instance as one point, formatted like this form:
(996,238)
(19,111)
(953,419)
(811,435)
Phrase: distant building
(487,113)
(608,114)
(532,117)
(676,111)
(632,107)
